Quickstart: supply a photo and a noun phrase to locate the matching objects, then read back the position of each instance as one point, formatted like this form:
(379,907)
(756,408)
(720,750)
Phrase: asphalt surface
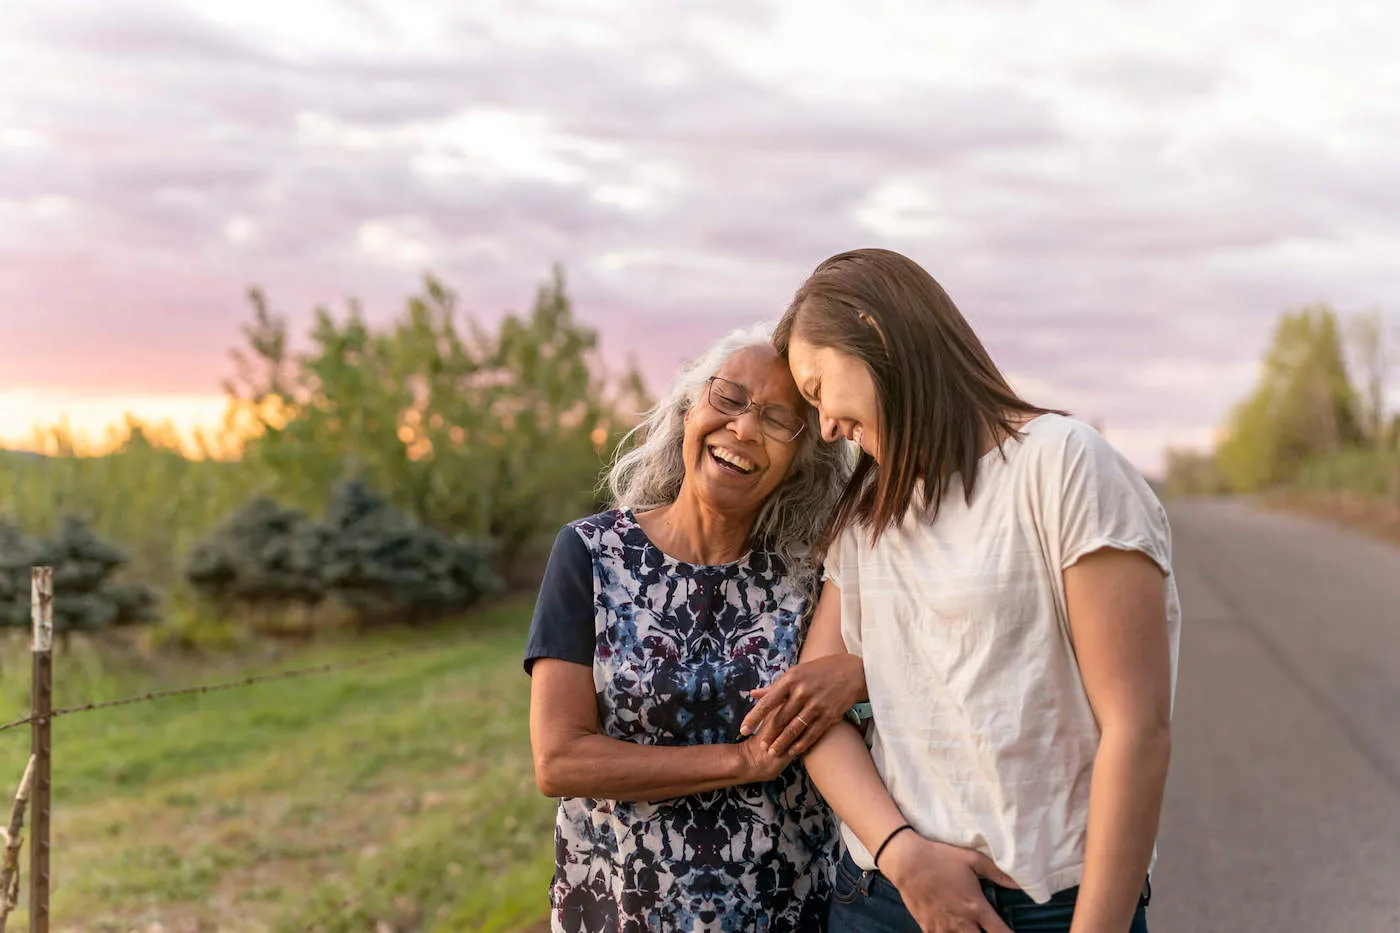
(1283,802)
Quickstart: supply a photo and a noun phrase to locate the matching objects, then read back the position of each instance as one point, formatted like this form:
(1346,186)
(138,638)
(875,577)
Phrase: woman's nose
(746,426)
(830,429)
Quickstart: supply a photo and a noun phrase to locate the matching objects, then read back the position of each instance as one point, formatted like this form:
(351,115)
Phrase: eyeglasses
(730,398)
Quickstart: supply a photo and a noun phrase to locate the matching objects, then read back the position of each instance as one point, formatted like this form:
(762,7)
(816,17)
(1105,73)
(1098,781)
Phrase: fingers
(810,736)
(799,726)
(986,868)
(770,698)
(779,720)
(946,923)
(990,921)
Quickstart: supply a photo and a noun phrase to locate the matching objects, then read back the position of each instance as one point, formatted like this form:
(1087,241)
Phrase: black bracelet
(881,851)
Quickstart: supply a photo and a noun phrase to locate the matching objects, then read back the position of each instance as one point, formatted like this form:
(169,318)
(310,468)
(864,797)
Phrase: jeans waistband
(1002,897)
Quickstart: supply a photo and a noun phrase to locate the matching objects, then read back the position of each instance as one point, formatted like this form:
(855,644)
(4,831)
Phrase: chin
(733,502)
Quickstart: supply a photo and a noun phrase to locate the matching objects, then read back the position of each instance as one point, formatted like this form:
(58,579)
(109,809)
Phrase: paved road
(1283,805)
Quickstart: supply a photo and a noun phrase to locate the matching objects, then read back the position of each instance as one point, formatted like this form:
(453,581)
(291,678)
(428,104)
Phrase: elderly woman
(654,621)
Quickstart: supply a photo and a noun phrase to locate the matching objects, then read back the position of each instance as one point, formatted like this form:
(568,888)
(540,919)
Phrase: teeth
(733,459)
(857,434)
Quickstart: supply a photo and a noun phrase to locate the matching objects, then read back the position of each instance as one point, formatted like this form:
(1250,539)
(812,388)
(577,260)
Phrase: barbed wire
(231,685)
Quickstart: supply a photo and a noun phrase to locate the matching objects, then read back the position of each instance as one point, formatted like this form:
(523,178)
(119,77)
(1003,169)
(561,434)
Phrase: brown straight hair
(940,395)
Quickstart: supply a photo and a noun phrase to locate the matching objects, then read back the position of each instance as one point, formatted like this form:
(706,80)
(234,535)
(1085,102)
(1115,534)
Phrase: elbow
(547,775)
(551,772)
(1148,741)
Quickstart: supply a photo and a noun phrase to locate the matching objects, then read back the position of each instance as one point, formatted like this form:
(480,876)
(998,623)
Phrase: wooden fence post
(9,857)
(41,747)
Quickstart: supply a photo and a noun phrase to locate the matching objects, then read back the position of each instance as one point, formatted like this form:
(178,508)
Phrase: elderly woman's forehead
(760,370)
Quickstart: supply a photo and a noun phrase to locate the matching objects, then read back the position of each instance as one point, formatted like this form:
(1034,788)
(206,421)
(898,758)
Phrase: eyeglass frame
(749,405)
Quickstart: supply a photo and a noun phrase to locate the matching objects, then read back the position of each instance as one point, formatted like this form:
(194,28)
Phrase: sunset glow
(1121,200)
(97,423)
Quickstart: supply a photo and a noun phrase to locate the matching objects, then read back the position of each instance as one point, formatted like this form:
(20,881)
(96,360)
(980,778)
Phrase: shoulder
(1065,454)
(1062,442)
(602,521)
(592,529)
(1054,431)
(1087,470)
(843,557)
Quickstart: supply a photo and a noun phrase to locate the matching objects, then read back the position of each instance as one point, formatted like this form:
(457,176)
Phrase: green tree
(382,565)
(263,558)
(86,597)
(1303,406)
(1193,473)
(487,434)
(1372,354)
(18,554)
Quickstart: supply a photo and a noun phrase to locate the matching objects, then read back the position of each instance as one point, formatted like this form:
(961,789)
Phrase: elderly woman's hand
(759,763)
(808,699)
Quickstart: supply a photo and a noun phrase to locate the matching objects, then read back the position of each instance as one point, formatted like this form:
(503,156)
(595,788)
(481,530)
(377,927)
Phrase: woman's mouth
(731,462)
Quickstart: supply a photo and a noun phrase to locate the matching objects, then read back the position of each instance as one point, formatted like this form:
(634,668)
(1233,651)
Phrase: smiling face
(840,388)
(729,462)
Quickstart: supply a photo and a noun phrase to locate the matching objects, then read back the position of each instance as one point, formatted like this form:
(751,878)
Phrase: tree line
(394,471)
(1318,414)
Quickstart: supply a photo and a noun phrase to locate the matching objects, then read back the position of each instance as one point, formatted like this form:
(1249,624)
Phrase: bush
(380,563)
(368,556)
(1370,473)
(264,555)
(86,598)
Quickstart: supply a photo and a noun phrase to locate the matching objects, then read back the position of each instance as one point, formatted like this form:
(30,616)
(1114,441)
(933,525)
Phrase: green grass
(1368,473)
(393,796)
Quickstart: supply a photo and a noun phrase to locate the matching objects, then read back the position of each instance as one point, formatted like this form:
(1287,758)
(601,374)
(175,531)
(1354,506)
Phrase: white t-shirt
(982,730)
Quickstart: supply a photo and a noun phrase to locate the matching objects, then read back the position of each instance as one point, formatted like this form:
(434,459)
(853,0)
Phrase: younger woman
(1006,577)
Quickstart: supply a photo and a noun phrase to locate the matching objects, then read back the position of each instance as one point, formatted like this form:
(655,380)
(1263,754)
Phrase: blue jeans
(866,902)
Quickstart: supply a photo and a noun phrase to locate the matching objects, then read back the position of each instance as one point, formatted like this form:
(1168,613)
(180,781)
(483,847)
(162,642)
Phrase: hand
(757,762)
(939,884)
(805,701)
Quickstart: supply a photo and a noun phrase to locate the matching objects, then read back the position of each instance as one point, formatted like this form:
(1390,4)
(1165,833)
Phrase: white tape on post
(41,601)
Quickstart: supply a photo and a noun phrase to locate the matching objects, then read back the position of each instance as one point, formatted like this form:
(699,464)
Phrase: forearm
(1125,802)
(841,767)
(599,766)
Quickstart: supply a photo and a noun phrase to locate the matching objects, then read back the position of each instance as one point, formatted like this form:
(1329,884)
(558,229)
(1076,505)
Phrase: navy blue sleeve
(563,623)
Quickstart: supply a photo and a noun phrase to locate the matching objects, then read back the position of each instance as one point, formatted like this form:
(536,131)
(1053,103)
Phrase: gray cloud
(165,162)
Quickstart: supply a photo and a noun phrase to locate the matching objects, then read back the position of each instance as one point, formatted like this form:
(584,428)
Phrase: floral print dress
(675,648)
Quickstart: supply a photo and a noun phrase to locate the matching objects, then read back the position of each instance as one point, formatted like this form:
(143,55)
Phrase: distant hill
(19,456)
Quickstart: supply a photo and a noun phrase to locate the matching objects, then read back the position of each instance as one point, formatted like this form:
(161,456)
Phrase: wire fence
(334,668)
(35,787)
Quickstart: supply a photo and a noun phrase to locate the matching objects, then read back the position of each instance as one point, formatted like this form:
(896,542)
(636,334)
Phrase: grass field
(394,797)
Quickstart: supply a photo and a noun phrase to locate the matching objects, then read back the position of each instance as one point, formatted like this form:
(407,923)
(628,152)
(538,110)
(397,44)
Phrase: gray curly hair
(648,468)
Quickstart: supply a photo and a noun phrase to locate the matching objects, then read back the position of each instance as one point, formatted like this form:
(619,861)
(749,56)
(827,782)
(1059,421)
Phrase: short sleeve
(842,570)
(562,626)
(1107,504)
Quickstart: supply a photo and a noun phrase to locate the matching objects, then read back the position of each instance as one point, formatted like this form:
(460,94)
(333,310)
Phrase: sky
(1121,197)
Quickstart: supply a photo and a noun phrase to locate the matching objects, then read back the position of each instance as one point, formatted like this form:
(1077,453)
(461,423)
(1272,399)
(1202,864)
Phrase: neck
(691,531)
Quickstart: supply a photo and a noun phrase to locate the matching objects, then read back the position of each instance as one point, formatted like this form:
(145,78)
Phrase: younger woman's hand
(804,702)
(940,885)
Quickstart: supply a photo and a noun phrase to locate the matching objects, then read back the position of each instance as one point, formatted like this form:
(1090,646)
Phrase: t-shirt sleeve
(842,571)
(562,626)
(1106,503)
